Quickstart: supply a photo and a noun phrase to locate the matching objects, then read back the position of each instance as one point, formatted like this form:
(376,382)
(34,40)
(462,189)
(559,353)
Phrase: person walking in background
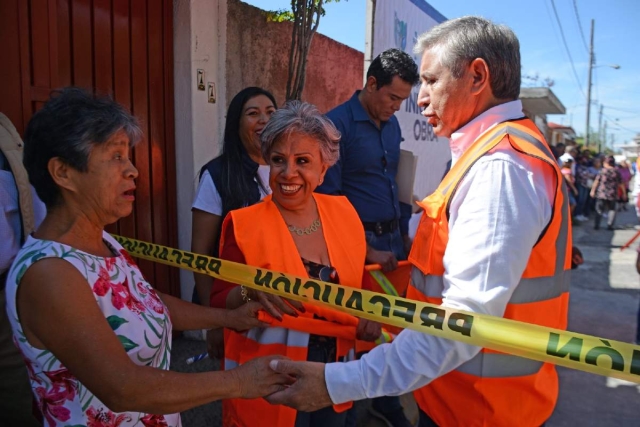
(584,186)
(567,174)
(367,168)
(237,178)
(494,233)
(21,212)
(96,337)
(605,192)
(623,193)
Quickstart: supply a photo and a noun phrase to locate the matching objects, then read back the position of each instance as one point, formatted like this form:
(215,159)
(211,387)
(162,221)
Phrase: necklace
(315,225)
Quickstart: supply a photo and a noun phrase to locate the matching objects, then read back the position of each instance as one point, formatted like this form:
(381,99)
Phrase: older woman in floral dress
(95,335)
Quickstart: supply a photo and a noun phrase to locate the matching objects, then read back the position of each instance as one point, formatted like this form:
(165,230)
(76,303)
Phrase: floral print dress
(132,309)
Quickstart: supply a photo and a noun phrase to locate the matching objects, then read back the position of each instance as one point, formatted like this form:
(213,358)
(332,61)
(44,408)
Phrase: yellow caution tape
(573,350)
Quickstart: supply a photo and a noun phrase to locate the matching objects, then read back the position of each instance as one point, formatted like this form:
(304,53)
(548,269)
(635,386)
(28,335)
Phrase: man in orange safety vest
(495,239)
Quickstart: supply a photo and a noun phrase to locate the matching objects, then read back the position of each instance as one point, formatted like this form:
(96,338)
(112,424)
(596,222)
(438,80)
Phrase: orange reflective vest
(270,245)
(493,388)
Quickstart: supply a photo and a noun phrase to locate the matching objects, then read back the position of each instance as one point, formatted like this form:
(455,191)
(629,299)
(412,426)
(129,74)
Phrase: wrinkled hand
(308,393)
(277,306)
(255,378)
(215,343)
(245,317)
(576,257)
(386,259)
(368,330)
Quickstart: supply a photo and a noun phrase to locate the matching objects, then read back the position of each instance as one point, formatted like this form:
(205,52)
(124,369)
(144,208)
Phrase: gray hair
(460,41)
(304,118)
(68,127)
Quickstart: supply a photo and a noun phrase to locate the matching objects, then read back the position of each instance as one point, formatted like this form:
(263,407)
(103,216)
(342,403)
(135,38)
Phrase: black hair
(390,63)
(68,126)
(237,186)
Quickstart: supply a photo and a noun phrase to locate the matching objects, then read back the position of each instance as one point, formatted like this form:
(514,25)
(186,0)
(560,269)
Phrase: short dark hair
(391,63)
(68,126)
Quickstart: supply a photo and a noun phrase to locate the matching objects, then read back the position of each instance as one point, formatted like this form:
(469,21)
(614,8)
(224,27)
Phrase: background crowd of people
(598,186)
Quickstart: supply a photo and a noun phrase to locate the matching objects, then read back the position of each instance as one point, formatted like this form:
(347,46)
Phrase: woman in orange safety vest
(301,233)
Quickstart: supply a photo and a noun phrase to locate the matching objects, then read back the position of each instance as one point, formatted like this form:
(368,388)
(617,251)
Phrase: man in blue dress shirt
(366,171)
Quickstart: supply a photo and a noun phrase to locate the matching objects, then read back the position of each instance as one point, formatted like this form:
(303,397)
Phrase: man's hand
(368,330)
(244,317)
(576,257)
(255,378)
(309,392)
(386,259)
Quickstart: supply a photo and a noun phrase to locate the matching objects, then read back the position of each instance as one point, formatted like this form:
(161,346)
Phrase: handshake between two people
(281,381)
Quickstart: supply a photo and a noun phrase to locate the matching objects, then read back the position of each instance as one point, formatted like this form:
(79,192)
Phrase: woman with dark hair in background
(95,336)
(237,178)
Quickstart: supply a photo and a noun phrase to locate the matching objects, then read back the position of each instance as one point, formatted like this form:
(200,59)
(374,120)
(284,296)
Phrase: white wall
(199,42)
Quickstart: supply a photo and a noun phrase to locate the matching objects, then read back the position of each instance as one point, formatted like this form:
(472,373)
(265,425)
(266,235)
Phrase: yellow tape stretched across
(578,351)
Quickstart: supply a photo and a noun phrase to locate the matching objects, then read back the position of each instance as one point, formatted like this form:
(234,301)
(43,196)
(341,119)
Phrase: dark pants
(425,421)
(582,205)
(321,350)
(16,398)
(605,207)
(390,242)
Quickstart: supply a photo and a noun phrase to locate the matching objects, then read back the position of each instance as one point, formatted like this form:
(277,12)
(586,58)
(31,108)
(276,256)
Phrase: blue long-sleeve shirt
(368,164)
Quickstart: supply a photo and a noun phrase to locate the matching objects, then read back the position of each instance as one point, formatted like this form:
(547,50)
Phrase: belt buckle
(378,229)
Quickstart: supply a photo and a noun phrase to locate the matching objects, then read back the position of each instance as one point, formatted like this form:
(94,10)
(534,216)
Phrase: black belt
(3,280)
(381,228)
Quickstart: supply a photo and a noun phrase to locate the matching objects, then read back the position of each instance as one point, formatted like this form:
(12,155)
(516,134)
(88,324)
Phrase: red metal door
(123,48)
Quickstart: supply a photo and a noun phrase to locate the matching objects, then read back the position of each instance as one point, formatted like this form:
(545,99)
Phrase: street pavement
(604,302)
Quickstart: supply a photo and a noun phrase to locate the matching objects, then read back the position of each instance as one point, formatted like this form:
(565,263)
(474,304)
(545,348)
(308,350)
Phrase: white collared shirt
(496,216)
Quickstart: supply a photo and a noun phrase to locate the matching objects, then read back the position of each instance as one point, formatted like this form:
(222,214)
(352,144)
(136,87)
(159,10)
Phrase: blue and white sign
(397,24)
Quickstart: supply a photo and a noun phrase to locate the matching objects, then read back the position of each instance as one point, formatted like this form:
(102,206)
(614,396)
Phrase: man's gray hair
(460,41)
(303,118)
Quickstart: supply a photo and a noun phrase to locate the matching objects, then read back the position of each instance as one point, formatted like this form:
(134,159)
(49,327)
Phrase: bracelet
(244,293)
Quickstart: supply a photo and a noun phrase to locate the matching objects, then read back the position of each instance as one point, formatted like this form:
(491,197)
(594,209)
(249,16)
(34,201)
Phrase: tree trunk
(306,20)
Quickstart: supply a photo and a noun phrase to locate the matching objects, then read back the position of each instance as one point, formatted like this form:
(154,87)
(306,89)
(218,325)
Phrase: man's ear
(62,174)
(480,76)
(371,85)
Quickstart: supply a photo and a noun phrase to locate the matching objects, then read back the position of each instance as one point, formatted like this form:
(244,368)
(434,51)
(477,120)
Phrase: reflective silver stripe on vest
(230,364)
(528,290)
(494,365)
(287,337)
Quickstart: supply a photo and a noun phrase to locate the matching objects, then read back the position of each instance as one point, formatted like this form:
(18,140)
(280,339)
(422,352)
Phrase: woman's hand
(275,305)
(244,317)
(368,330)
(256,379)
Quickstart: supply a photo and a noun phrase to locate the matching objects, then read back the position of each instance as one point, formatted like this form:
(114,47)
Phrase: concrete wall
(258,55)
(198,43)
